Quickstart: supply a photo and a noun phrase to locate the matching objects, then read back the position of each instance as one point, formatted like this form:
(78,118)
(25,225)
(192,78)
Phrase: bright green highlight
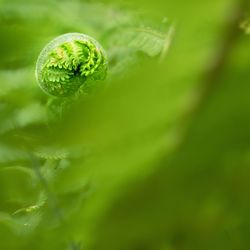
(70,62)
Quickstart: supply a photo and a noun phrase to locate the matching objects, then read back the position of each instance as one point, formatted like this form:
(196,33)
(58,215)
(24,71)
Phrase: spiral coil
(69,62)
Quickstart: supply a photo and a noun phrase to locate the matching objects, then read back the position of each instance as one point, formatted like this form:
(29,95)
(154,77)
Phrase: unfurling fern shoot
(69,63)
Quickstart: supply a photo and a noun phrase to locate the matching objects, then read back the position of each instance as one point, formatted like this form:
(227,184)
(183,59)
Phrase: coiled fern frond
(69,62)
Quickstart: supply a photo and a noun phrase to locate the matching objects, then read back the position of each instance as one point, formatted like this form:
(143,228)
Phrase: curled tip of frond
(68,62)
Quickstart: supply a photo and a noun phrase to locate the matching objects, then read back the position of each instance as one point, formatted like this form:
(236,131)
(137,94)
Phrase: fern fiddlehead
(69,62)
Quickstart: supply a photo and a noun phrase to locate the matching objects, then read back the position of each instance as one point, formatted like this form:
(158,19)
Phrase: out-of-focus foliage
(159,159)
(245,25)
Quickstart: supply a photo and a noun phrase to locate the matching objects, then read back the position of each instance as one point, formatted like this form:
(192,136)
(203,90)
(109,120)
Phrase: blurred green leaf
(158,159)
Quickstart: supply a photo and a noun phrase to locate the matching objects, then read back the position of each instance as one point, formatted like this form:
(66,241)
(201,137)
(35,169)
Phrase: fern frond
(56,74)
(68,62)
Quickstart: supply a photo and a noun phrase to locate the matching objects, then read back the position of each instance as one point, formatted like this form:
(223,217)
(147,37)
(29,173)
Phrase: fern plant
(44,194)
(68,62)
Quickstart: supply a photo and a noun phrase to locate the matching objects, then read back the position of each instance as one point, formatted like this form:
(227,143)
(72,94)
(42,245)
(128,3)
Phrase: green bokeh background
(158,160)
